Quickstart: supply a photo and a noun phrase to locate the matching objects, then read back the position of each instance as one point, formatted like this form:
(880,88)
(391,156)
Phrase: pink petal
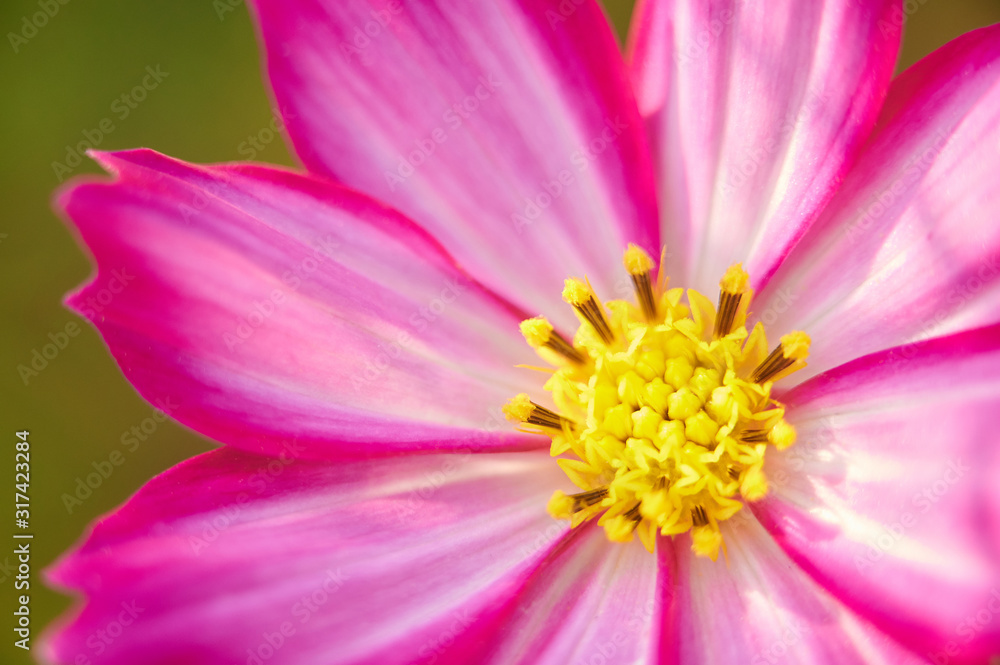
(258,306)
(756,111)
(757,607)
(593,601)
(910,247)
(546,175)
(232,556)
(888,499)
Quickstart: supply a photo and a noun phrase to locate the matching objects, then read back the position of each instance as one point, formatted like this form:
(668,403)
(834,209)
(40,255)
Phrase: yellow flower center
(664,407)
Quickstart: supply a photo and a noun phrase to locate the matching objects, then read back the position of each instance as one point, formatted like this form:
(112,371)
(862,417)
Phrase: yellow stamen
(659,424)
(705,541)
(781,435)
(621,527)
(754,436)
(637,261)
(563,506)
(539,334)
(698,516)
(754,484)
(579,294)
(522,410)
(786,358)
(639,266)
(734,297)
(795,345)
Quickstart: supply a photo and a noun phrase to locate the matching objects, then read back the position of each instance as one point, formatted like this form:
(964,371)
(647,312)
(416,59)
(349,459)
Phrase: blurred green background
(59,84)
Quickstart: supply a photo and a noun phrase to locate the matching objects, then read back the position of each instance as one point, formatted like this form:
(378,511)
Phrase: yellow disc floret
(663,409)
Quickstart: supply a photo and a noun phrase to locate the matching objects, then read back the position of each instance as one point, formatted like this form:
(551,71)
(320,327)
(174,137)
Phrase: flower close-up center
(405,448)
(663,409)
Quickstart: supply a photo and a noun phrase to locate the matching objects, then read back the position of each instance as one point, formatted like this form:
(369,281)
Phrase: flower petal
(256,305)
(507,129)
(758,607)
(889,498)
(756,111)
(593,600)
(231,557)
(910,247)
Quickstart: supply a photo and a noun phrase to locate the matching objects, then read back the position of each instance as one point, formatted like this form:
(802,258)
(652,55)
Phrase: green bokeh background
(62,82)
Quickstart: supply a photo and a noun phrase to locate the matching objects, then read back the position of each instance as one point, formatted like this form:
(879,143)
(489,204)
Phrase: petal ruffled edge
(266,307)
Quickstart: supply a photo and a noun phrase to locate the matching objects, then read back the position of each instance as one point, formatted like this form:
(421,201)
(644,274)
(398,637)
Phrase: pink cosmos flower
(351,333)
